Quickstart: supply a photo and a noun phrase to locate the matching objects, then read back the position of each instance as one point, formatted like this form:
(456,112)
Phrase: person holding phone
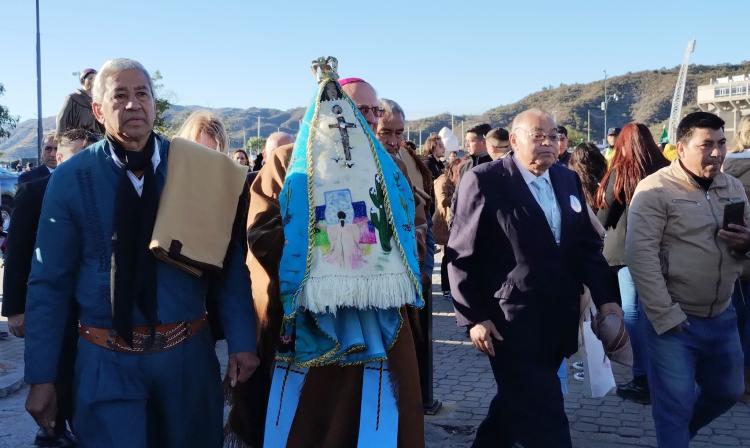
(684,260)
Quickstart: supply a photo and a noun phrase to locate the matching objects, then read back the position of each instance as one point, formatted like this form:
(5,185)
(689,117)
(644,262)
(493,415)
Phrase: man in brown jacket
(684,261)
(76,111)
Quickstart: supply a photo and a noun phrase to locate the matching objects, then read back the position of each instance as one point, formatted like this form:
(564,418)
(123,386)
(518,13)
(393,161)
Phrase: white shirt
(529,178)
(138,183)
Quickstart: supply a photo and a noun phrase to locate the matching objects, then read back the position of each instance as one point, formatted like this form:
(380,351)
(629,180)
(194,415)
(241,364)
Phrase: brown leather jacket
(678,262)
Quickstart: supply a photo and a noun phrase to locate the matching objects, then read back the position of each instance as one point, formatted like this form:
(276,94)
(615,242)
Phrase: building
(727,97)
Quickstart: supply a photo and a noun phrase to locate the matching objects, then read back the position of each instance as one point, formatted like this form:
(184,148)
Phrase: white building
(727,97)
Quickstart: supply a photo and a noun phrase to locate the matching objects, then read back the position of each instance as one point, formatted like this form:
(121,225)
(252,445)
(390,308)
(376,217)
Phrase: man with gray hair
(525,216)
(390,132)
(146,370)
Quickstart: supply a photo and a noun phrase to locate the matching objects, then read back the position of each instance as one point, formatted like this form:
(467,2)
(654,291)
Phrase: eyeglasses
(376,111)
(539,135)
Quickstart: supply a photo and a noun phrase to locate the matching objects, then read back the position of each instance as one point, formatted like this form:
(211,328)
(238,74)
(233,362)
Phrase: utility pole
(258,127)
(604,106)
(462,134)
(408,133)
(452,128)
(244,138)
(420,139)
(38,89)
(588,125)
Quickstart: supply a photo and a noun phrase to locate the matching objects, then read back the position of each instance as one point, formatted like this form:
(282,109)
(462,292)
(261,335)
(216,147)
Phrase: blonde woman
(737,163)
(205,128)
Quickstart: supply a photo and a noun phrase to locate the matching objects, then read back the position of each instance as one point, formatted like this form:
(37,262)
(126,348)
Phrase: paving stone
(725,441)
(629,432)
(608,422)
(586,427)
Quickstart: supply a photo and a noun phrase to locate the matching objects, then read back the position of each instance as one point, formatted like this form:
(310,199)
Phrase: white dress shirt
(138,183)
(548,202)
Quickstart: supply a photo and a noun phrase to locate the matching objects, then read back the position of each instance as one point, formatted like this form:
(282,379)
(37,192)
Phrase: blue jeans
(741,302)
(631,308)
(695,375)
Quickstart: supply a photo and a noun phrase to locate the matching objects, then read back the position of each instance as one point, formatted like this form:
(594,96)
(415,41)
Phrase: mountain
(644,96)
(240,124)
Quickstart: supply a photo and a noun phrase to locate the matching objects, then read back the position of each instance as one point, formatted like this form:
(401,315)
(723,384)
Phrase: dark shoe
(636,390)
(47,440)
(745,398)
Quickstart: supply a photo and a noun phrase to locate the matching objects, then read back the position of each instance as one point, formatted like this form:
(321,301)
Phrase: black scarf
(134,265)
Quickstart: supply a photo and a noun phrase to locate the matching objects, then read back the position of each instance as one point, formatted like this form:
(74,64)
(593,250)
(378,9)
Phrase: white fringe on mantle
(326,294)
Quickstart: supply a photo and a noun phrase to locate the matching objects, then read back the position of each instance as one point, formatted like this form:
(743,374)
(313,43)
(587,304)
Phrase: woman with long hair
(636,156)
(433,149)
(445,185)
(240,156)
(737,163)
(590,165)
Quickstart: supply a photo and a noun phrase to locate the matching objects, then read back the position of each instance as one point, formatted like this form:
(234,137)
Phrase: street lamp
(38,89)
(605,103)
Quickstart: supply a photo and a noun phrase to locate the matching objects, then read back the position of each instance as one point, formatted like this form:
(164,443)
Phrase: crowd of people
(316,262)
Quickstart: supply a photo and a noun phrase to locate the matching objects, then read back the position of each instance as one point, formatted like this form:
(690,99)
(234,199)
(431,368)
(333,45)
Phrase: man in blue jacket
(146,370)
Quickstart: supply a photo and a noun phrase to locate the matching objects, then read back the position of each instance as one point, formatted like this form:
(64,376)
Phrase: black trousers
(64,383)
(528,409)
(444,282)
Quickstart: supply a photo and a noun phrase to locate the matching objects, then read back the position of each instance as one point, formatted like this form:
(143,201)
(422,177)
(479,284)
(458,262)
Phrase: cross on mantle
(344,127)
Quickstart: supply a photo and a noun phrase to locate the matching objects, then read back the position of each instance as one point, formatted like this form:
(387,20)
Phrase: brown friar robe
(420,178)
(329,406)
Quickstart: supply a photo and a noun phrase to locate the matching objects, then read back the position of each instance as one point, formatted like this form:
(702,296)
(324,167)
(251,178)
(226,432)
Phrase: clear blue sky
(431,56)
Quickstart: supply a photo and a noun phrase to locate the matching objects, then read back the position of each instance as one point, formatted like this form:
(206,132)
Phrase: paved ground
(463,382)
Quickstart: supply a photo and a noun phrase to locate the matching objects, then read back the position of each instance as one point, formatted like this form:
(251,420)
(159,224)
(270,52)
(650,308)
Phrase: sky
(462,57)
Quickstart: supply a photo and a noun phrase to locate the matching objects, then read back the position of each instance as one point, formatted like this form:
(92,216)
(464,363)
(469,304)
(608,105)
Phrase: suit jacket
(20,244)
(37,173)
(505,265)
(73,262)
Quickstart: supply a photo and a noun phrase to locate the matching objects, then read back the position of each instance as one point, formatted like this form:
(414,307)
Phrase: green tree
(7,121)
(575,137)
(161,126)
(255,145)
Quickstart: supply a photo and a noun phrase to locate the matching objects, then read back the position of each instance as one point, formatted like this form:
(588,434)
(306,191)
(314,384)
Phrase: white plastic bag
(598,378)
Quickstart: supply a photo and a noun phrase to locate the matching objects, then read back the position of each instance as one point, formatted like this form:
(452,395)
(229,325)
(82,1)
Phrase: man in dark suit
(522,246)
(48,162)
(21,239)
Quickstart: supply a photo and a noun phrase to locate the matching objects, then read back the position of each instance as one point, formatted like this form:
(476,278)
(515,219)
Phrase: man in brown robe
(329,406)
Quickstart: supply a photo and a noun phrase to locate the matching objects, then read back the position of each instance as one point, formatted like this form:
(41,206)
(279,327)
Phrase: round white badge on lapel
(575,204)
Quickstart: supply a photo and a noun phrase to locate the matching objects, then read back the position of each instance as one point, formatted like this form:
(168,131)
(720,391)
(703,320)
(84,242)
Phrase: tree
(255,145)
(575,137)
(7,121)
(162,104)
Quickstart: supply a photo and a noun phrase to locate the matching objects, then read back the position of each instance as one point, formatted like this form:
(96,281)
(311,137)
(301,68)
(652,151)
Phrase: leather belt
(165,336)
